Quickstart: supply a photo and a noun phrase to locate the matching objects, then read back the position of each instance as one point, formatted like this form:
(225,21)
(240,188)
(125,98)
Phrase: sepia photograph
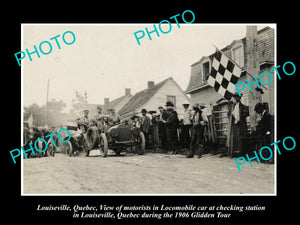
(131,109)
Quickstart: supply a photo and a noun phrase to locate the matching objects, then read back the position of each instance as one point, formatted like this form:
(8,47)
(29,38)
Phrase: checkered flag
(224,75)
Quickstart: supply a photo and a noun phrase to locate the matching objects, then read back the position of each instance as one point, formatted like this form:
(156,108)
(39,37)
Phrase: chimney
(150,84)
(106,103)
(127,91)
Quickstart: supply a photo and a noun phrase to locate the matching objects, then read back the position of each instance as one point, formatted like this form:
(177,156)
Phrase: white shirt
(186,118)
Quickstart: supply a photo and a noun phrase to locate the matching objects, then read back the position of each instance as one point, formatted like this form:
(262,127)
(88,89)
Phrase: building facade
(155,95)
(201,92)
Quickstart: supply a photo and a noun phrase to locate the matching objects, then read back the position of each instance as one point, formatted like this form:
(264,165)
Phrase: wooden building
(201,92)
(153,96)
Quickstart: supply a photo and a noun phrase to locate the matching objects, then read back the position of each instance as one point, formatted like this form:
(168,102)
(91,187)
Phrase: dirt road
(152,173)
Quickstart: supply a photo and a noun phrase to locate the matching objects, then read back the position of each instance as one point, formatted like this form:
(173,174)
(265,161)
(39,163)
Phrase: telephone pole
(254,96)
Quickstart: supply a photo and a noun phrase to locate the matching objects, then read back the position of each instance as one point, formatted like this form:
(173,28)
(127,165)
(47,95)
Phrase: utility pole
(47,103)
(254,96)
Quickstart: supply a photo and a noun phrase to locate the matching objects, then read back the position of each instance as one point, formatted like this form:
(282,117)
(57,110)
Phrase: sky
(106,58)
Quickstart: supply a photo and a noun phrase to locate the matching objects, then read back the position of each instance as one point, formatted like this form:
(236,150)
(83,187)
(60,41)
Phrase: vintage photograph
(111,115)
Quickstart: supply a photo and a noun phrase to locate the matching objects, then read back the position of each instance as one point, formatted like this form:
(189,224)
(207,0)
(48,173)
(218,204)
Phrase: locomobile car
(119,138)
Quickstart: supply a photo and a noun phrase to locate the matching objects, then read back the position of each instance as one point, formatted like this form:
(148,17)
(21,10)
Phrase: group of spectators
(165,131)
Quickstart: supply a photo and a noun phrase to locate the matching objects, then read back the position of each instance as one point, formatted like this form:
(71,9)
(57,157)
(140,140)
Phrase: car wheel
(141,144)
(69,148)
(103,145)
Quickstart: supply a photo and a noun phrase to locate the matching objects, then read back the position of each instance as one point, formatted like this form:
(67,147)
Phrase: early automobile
(117,138)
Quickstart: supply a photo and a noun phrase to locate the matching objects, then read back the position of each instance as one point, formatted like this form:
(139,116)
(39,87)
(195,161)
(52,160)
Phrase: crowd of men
(165,131)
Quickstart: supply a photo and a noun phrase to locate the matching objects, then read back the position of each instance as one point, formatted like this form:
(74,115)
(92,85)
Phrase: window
(237,53)
(205,69)
(172,98)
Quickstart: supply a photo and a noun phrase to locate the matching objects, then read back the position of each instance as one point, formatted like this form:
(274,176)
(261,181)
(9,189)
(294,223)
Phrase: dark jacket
(145,124)
(265,124)
(172,120)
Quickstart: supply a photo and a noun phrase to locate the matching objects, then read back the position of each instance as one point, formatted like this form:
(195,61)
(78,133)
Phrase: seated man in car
(114,118)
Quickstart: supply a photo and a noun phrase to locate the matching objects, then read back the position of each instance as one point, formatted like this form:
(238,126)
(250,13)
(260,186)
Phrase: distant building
(153,96)
(116,104)
(201,92)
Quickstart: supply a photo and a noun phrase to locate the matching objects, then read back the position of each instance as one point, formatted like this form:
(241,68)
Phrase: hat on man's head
(185,105)
(236,95)
(169,104)
(196,105)
(144,111)
(160,107)
(201,106)
(86,110)
(99,107)
(151,111)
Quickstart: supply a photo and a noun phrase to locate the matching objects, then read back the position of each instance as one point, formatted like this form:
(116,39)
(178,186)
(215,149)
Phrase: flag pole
(240,67)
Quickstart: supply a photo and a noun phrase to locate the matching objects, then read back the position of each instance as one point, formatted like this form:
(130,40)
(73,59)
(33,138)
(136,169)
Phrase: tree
(55,117)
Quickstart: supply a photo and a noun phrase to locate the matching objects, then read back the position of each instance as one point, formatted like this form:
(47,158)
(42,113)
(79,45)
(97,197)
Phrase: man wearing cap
(114,118)
(145,126)
(172,124)
(85,121)
(197,133)
(99,118)
(163,115)
(238,125)
(186,127)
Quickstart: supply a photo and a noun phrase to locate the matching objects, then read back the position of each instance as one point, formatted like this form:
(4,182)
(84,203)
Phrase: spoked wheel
(141,144)
(51,149)
(86,146)
(69,148)
(103,145)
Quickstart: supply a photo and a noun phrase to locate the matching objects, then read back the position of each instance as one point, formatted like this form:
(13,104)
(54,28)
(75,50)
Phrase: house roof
(265,38)
(140,98)
(116,101)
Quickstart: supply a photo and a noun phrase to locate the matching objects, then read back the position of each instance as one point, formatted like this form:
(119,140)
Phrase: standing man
(238,126)
(154,130)
(197,132)
(99,118)
(186,127)
(172,124)
(85,121)
(163,115)
(264,129)
(145,126)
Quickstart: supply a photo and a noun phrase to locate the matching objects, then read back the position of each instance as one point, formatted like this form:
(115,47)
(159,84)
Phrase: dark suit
(145,128)
(171,130)
(264,126)
(162,129)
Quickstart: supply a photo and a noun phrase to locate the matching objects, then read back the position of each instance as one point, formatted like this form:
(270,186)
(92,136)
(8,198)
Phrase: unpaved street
(151,173)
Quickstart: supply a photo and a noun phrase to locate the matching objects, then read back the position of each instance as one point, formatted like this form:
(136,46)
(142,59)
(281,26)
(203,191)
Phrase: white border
(272,25)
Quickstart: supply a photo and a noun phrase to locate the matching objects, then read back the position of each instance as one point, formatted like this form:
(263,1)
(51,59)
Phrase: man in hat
(264,129)
(154,139)
(114,118)
(145,126)
(186,127)
(172,124)
(197,132)
(163,115)
(84,121)
(99,117)
(237,125)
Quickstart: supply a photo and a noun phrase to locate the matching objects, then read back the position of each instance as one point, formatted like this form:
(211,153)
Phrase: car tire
(142,146)
(103,145)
